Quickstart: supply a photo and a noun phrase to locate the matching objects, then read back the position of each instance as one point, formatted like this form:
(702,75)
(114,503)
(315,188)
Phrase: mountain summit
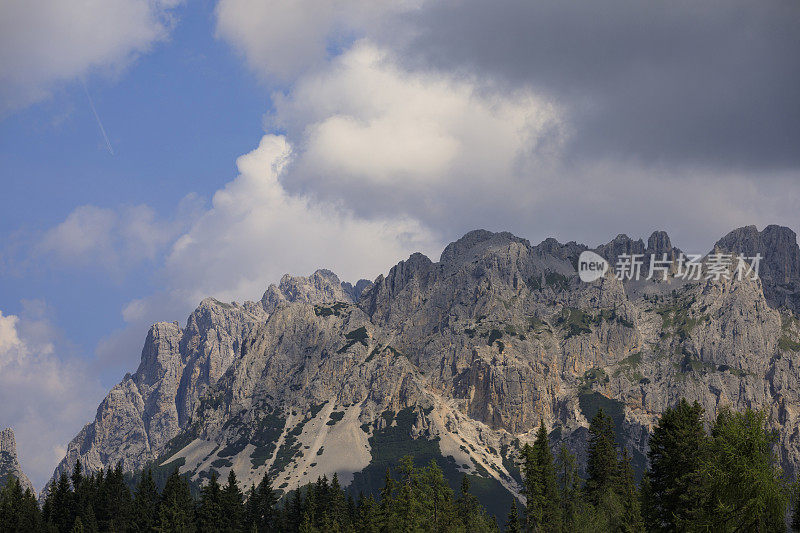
(9,463)
(455,361)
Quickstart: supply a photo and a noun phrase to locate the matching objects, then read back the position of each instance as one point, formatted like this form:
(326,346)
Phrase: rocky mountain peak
(475,243)
(659,243)
(320,287)
(550,251)
(355,291)
(146,409)
(463,358)
(7,442)
(780,265)
(621,244)
(9,462)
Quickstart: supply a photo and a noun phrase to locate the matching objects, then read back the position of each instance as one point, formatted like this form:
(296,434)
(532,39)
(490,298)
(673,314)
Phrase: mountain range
(455,361)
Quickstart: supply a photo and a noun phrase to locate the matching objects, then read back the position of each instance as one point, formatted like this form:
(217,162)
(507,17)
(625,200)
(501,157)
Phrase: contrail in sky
(96,116)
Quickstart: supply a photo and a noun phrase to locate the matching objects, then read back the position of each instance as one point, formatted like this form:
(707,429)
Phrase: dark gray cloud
(696,82)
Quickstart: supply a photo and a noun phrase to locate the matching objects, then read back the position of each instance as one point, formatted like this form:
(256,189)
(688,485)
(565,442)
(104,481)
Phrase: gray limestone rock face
(321,286)
(478,347)
(621,244)
(9,462)
(148,408)
(780,266)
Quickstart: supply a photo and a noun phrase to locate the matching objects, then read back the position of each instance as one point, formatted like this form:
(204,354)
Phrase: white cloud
(255,232)
(283,39)
(88,229)
(456,151)
(44,42)
(364,122)
(45,394)
(436,111)
(115,239)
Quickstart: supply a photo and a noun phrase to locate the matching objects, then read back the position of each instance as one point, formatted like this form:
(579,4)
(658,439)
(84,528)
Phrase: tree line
(725,479)
(418,499)
(722,479)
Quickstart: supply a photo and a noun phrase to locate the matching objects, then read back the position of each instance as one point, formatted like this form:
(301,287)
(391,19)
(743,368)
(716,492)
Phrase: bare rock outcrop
(9,462)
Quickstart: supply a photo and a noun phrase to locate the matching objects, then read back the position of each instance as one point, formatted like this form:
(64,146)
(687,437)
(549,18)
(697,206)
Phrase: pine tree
(548,485)
(436,497)
(367,514)
(59,508)
(109,499)
(467,505)
(251,513)
(209,512)
(307,524)
(337,505)
(408,506)
(630,519)
(77,527)
(11,504)
(569,485)
(77,475)
(314,506)
(386,507)
(351,510)
(647,505)
(678,450)
(176,507)
(261,510)
(513,525)
(145,504)
(540,487)
(97,495)
(30,518)
(232,505)
(745,490)
(89,520)
(601,465)
(294,512)
(531,489)
(85,494)
(118,501)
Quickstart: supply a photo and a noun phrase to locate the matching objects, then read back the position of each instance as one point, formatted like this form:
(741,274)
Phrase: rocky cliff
(456,360)
(780,272)
(148,408)
(9,462)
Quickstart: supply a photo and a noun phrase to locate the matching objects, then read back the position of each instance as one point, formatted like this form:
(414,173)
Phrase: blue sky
(252,139)
(206,108)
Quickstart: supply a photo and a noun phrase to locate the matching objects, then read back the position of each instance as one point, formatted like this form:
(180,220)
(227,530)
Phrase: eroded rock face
(321,286)
(469,352)
(780,267)
(150,407)
(9,462)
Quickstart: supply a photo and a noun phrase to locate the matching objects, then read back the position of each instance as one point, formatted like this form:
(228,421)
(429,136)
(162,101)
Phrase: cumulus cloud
(384,139)
(255,231)
(580,122)
(701,83)
(44,42)
(455,153)
(114,239)
(283,39)
(697,82)
(45,394)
